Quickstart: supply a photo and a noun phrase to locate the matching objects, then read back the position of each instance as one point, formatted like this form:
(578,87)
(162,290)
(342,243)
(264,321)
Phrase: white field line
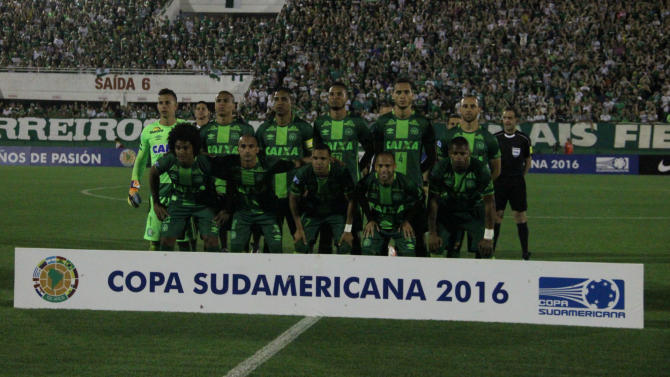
(265,353)
(89,193)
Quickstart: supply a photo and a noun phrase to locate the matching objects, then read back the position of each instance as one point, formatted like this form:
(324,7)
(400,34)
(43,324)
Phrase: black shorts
(512,190)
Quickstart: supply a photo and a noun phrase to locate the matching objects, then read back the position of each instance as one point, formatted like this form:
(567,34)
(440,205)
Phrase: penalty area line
(89,193)
(265,353)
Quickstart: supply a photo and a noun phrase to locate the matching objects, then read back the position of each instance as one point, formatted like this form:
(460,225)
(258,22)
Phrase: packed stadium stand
(571,60)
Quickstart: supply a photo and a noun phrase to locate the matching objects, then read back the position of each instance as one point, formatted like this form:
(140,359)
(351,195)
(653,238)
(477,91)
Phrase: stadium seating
(554,61)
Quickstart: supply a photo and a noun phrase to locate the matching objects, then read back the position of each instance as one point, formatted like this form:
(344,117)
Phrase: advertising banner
(553,293)
(63,156)
(655,164)
(584,164)
(121,88)
(601,138)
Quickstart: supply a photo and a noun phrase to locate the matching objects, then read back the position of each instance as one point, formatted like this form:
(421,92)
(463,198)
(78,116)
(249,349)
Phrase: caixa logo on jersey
(581,297)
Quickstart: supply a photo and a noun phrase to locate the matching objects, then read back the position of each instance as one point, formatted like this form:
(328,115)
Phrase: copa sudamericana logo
(55,279)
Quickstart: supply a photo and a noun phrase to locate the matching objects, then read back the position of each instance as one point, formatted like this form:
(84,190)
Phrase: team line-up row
(226,180)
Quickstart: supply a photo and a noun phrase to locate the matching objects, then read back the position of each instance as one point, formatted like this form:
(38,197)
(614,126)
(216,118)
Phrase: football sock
(212,249)
(154,245)
(184,246)
(523,236)
(496,233)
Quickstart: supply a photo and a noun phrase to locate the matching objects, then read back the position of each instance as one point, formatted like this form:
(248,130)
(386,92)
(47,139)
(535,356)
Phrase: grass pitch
(571,218)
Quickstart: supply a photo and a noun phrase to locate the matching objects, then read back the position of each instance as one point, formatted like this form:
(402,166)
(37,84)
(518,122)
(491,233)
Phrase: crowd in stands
(553,60)
(123,34)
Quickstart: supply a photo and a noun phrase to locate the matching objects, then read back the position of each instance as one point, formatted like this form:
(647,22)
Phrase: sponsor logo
(662,168)
(612,165)
(155,130)
(127,157)
(390,131)
(581,297)
(55,279)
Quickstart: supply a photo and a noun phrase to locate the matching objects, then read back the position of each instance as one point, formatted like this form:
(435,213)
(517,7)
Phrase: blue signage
(585,164)
(65,156)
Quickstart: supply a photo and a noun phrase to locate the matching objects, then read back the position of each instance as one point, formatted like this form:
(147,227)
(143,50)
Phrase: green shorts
(179,216)
(312,226)
(374,245)
(152,229)
(240,231)
(451,227)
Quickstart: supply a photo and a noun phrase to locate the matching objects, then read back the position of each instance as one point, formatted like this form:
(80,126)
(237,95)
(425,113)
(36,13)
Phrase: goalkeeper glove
(134,199)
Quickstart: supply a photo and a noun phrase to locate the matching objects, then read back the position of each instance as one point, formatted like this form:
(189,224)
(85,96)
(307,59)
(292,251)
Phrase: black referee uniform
(510,185)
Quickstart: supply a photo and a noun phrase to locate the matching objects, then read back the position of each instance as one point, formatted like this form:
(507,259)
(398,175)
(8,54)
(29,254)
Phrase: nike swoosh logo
(663,168)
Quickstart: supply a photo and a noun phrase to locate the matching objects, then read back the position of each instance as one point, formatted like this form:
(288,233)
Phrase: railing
(125,71)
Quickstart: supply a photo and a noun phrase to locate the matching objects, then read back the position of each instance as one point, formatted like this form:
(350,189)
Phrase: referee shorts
(512,190)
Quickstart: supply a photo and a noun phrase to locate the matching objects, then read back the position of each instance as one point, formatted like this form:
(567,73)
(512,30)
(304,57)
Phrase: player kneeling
(192,191)
(321,192)
(461,199)
(388,199)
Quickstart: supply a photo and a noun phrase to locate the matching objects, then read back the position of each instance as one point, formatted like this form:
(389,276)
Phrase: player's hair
(385,153)
(184,132)
(339,84)
(509,108)
(458,141)
(204,103)
(321,147)
(228,93)
(404,80)
(285,90)
(249,136)
(168,92)
(470,96)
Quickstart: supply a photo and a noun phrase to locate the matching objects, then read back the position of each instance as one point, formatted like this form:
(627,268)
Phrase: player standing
(461,198)
(406,135)
(516,150)
(287,137)
(342,132)
(154,144)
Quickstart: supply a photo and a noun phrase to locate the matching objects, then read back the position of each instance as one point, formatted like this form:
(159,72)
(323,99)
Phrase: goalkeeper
(153,144)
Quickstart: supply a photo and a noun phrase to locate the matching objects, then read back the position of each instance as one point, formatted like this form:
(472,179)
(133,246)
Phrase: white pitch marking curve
(89,193)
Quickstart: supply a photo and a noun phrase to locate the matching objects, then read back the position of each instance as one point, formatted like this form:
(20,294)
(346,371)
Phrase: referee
(510,186)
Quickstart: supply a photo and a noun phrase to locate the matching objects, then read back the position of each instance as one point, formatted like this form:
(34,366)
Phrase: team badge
(55,279)
(414,130)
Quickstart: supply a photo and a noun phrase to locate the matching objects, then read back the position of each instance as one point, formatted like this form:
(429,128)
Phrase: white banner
(117,88)
(557,293)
